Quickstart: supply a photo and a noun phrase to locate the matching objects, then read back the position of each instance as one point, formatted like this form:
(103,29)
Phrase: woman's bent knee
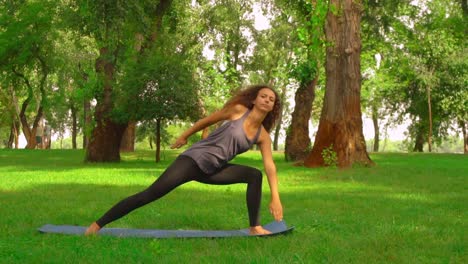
(256,175)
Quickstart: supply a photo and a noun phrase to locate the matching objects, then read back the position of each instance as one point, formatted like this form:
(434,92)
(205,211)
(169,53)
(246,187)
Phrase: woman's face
(265,100)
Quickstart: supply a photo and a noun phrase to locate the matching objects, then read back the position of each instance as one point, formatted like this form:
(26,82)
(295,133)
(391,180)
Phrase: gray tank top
(222,145)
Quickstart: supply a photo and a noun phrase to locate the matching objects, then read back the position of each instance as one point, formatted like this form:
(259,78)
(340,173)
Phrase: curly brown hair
(246,97)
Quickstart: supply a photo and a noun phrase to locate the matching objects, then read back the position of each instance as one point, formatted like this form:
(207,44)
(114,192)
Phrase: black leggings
(184,169)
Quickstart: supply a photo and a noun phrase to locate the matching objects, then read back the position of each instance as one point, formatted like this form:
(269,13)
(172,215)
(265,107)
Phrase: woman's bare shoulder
(236,111)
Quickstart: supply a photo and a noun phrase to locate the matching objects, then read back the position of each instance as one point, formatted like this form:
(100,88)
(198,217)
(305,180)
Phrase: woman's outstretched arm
(264,143)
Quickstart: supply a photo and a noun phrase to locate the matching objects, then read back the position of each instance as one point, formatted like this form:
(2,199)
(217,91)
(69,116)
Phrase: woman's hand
(179,143)
(276,209)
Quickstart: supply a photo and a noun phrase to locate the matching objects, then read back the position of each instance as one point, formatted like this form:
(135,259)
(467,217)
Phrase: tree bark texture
(340,127)
(297,138)
(105,140)
(127,143)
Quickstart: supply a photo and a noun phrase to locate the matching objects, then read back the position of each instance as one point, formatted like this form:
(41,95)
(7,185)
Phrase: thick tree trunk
(375,121)
(30,134)
(340,126)
(105,140)
(297,138)
(128,139)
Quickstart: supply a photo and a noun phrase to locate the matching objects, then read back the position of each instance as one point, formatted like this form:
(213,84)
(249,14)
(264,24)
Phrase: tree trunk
(277,132)
(158,140)
(74,125)
(462,125)
(30,134)
(87,122)
(297,138)
(13,135)
(128,139)
(280,118)
(375,121)
(419,144)
(86,112)
(429,136)
(105,140)
(15,124)
(340,127)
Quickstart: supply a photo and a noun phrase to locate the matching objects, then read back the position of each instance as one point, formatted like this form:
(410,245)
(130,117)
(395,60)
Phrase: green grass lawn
(409,208)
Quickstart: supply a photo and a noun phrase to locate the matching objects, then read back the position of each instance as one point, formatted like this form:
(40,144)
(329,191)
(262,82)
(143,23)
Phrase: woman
(249,116)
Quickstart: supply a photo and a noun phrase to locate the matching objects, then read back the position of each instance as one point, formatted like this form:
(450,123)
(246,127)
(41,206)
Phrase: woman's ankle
(258,230)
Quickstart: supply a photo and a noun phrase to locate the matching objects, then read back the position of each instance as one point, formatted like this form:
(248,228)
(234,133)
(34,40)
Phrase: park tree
(114,26)
(378,21)
(340,127)
(427,39)
(169,93)
(310,17)
(161,80)
(27,37)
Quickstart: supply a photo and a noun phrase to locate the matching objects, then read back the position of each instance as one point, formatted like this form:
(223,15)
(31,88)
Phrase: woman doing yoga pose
(248,116)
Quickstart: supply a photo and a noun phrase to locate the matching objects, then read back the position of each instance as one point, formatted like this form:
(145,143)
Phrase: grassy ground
(410,208)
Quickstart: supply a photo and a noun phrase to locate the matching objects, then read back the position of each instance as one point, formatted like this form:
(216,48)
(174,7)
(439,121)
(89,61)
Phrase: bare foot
(258,230)
(92,229)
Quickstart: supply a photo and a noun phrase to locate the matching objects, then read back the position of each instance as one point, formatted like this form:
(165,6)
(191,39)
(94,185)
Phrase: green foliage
(416,55)
(330,157)
(158,86)
(309,19)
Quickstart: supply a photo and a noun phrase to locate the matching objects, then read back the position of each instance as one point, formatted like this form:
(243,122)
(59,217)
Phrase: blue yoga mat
(275,227)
